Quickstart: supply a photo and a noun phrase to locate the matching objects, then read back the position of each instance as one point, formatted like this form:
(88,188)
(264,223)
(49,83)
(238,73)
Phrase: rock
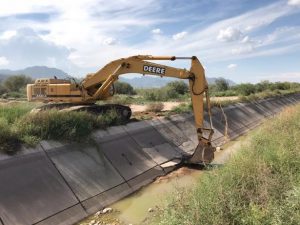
(107,210)
(150,210)
(218,149)
(92,222)
(98,213)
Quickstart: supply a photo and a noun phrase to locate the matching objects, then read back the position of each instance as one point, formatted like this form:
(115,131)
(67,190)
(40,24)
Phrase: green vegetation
(176,90)
(14,86)
(259,185)
(221,88)
(18,126)
(124,88)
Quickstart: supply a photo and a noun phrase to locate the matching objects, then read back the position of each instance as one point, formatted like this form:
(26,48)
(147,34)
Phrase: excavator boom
(99,86)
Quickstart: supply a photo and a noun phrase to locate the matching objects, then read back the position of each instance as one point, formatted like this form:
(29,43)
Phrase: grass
(18,126)
(259,185)
(12,111)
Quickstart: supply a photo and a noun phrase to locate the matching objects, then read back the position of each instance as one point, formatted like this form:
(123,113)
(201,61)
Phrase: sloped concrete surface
(60,183)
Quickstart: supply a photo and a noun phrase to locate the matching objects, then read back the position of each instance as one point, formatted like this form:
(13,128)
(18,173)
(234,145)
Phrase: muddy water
(134,208)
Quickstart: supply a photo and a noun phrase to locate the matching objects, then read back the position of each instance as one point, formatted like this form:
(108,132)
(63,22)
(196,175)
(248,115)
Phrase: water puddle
(135,208)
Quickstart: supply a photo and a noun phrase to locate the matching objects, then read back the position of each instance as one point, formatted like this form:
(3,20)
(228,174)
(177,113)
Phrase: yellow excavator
(100,86)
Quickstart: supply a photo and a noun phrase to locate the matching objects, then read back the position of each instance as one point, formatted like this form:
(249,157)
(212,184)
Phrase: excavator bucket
(203,154)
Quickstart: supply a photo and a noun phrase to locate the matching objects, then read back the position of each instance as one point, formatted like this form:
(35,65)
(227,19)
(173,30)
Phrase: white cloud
(28,49)
(156,31)
(109,41)
(229,34)
(246,39)
(8,34)
(87,27)
(232,66)
(179,36)
(242,49)
(3,61)
(294,2)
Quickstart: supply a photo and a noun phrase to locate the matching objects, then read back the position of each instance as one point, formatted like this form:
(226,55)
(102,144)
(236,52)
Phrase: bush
(9,142)
(178,87)
(155,107)
(110,118)
(16,83)
(55,125)
(221,84)
(263,86)
(124,88)
(11,112)
(245,89)
(173,90)
(2,89)
(18,126)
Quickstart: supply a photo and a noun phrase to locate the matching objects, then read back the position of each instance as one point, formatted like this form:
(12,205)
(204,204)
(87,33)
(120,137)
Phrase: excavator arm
(198,88)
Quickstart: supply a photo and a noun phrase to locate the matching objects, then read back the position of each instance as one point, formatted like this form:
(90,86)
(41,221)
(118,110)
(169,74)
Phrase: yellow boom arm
(137,64)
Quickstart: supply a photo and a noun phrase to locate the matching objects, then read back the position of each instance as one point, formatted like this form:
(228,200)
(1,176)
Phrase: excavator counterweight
(100,86)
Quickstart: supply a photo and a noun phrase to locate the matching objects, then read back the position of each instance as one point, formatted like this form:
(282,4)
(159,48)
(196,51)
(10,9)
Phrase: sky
(241,40)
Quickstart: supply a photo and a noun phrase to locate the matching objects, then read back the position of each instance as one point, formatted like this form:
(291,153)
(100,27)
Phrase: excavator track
(123,111)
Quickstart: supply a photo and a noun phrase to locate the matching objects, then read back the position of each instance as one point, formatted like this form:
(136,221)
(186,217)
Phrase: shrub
(124,88)
(245,89)
(173,90)
(178,87)
(12,111)
(2,89)
(16,83)
(110,118)
(155,107)
(221,84)
(8,137)
(263,86)
(18,126)
(55,125)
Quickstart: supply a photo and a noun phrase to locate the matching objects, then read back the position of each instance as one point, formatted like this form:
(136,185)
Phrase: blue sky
(242,40)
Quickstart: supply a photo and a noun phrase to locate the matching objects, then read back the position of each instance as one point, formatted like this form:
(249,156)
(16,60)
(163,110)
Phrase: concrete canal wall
(61,183)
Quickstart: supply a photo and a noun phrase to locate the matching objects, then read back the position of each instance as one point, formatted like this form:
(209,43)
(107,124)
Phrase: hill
(35,72)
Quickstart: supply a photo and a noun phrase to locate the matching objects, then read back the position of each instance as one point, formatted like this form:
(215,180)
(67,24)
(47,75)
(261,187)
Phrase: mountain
(35,72)
(156,82)
(3,77)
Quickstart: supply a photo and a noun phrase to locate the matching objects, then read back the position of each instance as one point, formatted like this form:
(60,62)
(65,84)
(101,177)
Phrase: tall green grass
(259,185)
(18,126)
(12,111)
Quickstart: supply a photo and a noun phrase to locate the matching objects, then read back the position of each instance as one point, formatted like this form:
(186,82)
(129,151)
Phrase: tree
(263,86)
(2,89)
(246,89)
(178,87)
(17,83)
(221,84)
(124,88)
